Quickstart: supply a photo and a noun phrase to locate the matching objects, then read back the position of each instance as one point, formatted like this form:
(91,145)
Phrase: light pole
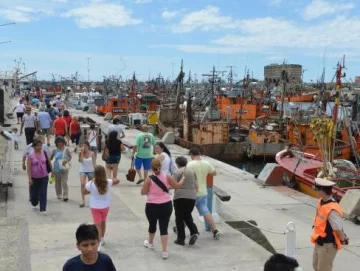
(172,71)
(88,69)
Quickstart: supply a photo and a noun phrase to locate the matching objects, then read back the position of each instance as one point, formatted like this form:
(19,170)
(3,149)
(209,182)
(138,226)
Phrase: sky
(149,37)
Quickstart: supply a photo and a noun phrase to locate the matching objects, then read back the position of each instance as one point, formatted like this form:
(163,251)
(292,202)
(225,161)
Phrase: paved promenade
(46,242)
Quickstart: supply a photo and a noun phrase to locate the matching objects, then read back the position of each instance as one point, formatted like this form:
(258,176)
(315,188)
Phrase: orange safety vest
(321,217)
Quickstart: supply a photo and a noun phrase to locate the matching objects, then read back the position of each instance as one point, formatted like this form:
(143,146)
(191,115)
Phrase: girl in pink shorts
(100,197)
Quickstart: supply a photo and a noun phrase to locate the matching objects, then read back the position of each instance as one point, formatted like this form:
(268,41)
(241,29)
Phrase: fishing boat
(299,97)
(300,168)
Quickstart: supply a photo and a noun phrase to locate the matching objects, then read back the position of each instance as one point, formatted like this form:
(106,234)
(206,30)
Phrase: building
(357,80)
(272,72)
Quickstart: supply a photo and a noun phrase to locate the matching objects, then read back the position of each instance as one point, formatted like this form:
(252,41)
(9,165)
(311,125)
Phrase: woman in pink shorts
(100,197)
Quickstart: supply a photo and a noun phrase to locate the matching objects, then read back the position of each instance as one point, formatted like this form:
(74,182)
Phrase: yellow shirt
(201,168)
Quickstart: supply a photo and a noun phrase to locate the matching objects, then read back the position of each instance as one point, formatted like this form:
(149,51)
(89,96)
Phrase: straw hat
(323,182)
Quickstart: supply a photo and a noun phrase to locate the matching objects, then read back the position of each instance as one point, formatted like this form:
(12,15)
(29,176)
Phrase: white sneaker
(34,207)
(102,242)
(43,213)
(148,245)
(165,255)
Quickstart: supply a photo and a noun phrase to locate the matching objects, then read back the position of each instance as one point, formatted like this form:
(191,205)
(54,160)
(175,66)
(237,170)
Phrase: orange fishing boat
(234,107)
(120,106)
(298,98)
(300,135)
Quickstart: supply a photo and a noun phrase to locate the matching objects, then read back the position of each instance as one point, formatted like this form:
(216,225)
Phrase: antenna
(231,75)
(213,76)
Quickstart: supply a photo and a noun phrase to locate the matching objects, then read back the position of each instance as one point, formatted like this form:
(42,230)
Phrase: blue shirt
(35,101)
(103,263)
(44,120)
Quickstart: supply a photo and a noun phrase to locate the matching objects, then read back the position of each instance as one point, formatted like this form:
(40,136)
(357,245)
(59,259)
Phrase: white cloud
(167,15)
(275,3)
(101,14)
(205,19)
(340,35)
(22,14)
(318,8)
(142,1)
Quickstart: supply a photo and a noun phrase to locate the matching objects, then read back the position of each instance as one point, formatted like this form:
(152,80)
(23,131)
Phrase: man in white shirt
(116,127)
(20,109)
(29,123)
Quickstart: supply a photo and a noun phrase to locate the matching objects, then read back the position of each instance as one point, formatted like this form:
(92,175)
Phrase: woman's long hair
(100,179)
(112,137)
(164,148)
(112,140)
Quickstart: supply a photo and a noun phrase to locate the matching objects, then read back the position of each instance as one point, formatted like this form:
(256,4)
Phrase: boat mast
(285,79)
(339,75)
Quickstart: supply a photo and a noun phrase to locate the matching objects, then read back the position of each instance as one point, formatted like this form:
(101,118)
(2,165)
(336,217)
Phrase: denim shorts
(201,205)
(113,159)
(87,174)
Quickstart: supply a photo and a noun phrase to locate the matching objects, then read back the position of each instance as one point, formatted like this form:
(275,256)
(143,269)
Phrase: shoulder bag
(159,183)
(48,165)
(105,154)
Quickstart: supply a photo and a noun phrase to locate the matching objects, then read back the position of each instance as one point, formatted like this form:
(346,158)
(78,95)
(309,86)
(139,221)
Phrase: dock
(46,242)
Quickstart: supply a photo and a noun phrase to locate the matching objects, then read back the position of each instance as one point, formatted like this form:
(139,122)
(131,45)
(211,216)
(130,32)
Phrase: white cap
(323,182)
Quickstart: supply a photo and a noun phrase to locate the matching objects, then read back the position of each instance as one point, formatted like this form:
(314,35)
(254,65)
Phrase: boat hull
(232,151)
(301,175)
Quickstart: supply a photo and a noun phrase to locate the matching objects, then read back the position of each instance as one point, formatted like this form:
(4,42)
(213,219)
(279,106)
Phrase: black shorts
(75,138)
(19,115)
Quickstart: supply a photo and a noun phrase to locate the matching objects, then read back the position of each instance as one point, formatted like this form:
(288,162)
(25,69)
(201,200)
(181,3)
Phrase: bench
(221,194)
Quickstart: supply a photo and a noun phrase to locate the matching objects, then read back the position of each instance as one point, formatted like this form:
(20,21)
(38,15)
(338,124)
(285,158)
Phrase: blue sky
(147,36)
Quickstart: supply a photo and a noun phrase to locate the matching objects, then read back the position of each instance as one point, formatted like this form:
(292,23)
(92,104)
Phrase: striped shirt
(29,121)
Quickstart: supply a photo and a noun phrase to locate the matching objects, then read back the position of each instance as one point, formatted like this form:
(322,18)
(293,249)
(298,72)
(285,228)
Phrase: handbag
(130,176)
(48,165)
(105,154)
(159,183)
(67,165)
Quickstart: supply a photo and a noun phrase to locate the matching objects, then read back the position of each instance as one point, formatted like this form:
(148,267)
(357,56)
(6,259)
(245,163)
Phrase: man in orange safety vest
(328,234)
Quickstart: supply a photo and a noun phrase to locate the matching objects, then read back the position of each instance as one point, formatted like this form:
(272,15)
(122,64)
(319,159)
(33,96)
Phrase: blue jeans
(39,192)
(201,205)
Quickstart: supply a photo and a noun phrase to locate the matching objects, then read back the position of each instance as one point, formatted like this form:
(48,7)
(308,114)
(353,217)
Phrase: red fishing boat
(300,170)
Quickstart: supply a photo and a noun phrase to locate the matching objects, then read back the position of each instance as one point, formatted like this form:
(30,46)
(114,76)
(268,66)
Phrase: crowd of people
(158,174)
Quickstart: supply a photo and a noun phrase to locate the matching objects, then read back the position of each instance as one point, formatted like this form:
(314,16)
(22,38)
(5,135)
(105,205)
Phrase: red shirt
(68,120)
(75,127)
(60,127)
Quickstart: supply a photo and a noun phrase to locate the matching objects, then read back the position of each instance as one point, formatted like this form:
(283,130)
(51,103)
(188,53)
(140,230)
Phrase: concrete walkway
(46,242)
(271,207)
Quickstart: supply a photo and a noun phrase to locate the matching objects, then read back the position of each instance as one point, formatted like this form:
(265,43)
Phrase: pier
(33,242)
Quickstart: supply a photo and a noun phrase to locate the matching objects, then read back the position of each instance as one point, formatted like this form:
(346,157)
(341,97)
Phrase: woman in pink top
(158,204)
(38,176)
